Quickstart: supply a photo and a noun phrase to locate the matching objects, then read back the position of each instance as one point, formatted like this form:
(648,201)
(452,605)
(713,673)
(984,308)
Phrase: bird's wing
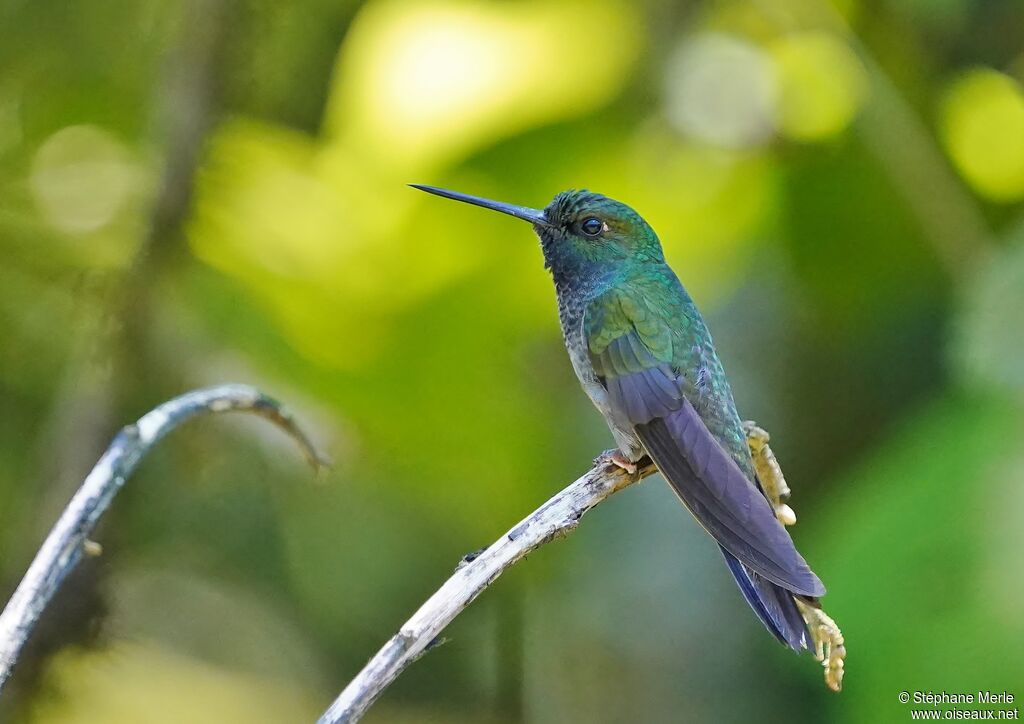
(631,349)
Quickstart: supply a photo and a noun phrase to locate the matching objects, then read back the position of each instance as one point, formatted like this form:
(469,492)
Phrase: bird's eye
(592,226)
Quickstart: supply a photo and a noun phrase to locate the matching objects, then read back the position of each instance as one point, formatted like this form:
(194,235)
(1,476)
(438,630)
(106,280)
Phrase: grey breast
(571,308)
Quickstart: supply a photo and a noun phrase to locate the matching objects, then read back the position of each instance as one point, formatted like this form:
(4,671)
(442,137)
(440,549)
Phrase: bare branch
(68,540)
(557,517)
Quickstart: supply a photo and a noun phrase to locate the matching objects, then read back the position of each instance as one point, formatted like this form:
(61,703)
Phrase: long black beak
(525,213)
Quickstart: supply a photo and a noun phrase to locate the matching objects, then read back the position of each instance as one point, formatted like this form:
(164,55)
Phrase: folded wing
(631,351)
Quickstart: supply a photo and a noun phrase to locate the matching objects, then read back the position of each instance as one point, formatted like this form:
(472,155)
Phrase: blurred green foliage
(213,190)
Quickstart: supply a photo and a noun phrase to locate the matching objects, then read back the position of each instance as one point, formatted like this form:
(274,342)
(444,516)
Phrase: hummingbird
(644,356)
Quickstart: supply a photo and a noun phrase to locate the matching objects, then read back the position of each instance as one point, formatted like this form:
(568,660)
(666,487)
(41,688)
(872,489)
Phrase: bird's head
(580,231)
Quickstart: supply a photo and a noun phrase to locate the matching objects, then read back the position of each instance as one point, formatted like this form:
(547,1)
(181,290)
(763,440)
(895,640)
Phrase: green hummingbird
(644,356)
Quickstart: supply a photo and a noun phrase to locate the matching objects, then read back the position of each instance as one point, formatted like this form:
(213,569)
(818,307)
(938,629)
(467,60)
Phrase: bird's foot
(616,458)
(769,472)
(829,647)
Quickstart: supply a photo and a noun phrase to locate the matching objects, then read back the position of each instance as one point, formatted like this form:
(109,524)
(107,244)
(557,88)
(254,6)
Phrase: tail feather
(773,605)
(724,499)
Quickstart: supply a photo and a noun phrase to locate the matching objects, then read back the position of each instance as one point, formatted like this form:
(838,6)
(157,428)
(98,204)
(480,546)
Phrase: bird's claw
(829,646)
(616,458)
(769,472)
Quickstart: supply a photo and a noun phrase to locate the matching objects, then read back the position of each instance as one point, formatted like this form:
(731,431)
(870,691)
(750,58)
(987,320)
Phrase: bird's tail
(772,603)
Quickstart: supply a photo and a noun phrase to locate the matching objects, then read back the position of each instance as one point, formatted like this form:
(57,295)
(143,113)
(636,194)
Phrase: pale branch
(557,517)
(68,540)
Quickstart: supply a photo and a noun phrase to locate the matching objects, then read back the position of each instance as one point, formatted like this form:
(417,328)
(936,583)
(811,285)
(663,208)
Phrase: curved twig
(557,517)
(67,541)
